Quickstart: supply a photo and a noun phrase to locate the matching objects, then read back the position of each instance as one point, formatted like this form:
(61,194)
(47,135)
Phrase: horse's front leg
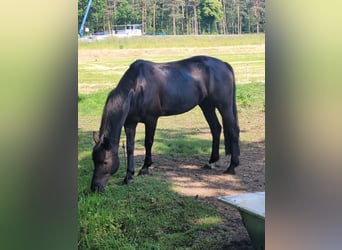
(130,136)
(150,129)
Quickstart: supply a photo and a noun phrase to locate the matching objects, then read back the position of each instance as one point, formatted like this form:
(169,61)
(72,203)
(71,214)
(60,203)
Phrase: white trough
(252,209)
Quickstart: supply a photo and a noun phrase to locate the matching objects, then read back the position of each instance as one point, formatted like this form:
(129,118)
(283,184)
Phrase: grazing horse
(149,90)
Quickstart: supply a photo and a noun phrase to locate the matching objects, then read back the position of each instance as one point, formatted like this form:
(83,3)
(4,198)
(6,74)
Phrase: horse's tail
(234,92)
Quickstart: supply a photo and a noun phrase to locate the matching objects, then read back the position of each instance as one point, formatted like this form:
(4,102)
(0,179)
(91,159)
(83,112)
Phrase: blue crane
(81,32)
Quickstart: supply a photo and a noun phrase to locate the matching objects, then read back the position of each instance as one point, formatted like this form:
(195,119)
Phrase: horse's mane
(118,95)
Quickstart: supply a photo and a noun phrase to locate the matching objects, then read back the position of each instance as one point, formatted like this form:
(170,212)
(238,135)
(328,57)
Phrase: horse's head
(106,162)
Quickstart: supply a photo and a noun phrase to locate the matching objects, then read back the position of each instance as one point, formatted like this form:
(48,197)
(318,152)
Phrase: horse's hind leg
(215,128)
(150,129)
(231,138)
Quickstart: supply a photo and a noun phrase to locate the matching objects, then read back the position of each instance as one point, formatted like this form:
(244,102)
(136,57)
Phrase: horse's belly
(181,98)
(176,108)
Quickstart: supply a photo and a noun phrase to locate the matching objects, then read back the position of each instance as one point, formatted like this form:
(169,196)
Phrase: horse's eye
(105,162)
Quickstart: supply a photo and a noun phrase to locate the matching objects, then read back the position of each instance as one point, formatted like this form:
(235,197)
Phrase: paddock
(182,146)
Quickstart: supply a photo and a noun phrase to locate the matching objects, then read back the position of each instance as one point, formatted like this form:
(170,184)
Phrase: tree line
(176,17)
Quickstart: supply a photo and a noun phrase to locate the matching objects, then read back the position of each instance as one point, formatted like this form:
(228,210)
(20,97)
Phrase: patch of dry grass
(100,70)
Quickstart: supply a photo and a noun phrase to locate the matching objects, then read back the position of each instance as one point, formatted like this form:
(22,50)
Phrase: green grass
(145,215)
(150,214)
(91,104)
(251,96)
(247,95)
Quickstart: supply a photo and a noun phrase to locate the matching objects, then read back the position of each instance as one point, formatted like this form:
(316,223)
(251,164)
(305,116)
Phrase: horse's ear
(96,137)
(106,143)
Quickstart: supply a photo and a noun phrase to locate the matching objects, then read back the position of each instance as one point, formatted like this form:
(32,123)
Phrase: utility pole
(81,31)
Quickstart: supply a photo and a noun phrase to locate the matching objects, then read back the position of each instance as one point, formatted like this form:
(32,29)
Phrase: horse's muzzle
(97,187)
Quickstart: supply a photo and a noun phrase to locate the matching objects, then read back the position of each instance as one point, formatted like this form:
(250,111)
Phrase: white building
(127,30)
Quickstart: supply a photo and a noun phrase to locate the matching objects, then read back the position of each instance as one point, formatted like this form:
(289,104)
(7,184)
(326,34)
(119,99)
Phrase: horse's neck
(110,129)
(113,118)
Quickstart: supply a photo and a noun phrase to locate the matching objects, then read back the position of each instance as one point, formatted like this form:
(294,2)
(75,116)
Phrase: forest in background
(176,17)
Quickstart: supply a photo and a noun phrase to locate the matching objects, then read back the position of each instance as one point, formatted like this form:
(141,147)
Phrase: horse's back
(178,86)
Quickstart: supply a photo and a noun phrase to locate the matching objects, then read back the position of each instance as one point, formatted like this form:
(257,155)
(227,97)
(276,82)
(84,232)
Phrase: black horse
(149,90)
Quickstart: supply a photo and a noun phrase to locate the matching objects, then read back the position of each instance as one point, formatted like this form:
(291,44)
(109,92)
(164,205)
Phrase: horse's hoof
(128,180)
(230,171)
(208,166)
(143,171)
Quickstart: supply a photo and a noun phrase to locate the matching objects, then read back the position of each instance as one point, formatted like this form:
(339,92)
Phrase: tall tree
(224,28)
(154,15)
(177,16)
(194,4)
(211,13)
(238,16)
(258,11)
(126,14)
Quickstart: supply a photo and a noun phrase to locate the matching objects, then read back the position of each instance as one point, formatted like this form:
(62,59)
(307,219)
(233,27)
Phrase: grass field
(155,42)
(149,214)
(101,63)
